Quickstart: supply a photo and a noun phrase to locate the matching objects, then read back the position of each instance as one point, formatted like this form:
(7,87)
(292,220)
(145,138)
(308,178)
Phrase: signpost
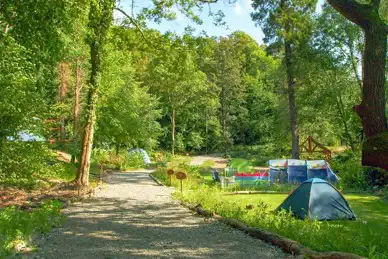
(170,173)
(181,176)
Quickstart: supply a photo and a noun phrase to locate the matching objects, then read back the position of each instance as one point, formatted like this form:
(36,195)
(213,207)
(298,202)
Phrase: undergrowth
(18,227)
(121,161)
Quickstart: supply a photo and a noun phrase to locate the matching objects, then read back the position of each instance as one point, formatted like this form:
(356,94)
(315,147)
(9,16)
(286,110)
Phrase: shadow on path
(132,217)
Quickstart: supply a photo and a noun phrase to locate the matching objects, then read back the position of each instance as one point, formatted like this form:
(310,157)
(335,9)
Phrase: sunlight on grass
(367,236)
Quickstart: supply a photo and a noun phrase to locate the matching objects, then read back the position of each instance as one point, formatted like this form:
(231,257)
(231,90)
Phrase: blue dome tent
(143,154)
(317,199)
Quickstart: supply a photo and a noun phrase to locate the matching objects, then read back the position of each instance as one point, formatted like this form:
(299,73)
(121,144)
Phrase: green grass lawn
(367,236)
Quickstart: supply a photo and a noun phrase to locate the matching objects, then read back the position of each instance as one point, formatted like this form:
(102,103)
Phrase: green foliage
(23,163)
(127,112)
(121,161)
(259,155)
(180,164)
(18,227)
(240,164)
(354,176)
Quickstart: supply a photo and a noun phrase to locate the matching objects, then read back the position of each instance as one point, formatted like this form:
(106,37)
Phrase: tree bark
(82,178)
(206,131)
(117,149)
(63,88)
(173,131)
(87,140)
(372,108)
(100,19)
(291,99)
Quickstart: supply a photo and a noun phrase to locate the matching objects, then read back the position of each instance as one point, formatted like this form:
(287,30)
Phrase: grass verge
(366,237)
(18,227)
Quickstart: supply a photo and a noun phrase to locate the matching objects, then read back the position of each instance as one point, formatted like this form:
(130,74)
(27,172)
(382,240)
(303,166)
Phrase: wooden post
(181,176)
(170,173)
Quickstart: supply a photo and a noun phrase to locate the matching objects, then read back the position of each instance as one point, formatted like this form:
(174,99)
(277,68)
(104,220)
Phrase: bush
(17,227)
(180,163)
(123,161)
(348,167)
(259,155)
(23,163)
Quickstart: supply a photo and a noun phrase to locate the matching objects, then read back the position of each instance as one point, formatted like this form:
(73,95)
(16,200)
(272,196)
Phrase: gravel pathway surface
(133,217)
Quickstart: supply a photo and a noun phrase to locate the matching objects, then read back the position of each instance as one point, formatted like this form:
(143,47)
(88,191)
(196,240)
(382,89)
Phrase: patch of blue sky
(237,18)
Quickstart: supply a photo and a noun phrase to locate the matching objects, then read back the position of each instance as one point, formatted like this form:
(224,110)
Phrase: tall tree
(371,110)
(175,77)
(100,19)
(232,90)
(127,113)
(286,22)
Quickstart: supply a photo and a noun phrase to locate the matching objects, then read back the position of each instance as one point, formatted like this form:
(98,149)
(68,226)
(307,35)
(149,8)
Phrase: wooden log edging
(290,246)
(156,180)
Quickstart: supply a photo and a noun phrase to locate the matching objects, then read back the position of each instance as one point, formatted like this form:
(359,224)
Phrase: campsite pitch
(133,217)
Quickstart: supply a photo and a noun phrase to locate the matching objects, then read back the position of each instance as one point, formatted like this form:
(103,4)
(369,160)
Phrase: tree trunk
(117,149)
(76,106)
(100,19)
(63,88)
(206,131)
(291,99)
(87,141)
(372,107)
(341,110)
(173,131)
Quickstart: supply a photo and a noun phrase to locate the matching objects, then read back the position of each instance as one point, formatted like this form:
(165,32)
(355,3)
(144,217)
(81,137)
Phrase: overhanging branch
(134,22)
(354,11)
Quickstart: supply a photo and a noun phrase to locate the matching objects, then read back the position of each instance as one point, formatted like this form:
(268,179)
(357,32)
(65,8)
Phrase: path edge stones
(290,246)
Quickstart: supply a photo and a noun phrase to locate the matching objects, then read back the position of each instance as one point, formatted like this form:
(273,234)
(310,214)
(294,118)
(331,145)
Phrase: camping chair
(229,171)
(297,171)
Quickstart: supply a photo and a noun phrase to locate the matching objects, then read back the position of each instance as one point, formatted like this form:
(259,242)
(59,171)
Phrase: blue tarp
(320,169)
(278,171)
(25,136)
(142,152)
(297,171)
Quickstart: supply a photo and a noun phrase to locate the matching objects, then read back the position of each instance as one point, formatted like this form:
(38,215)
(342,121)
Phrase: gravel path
(132,217)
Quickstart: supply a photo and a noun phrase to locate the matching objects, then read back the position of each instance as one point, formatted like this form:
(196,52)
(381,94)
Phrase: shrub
(23,163)
(123,161)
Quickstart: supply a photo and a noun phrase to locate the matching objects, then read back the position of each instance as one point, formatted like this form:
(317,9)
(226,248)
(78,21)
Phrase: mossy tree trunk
(100,19)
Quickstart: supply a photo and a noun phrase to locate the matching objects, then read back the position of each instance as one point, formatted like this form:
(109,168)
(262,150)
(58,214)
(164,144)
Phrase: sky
(237,17)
